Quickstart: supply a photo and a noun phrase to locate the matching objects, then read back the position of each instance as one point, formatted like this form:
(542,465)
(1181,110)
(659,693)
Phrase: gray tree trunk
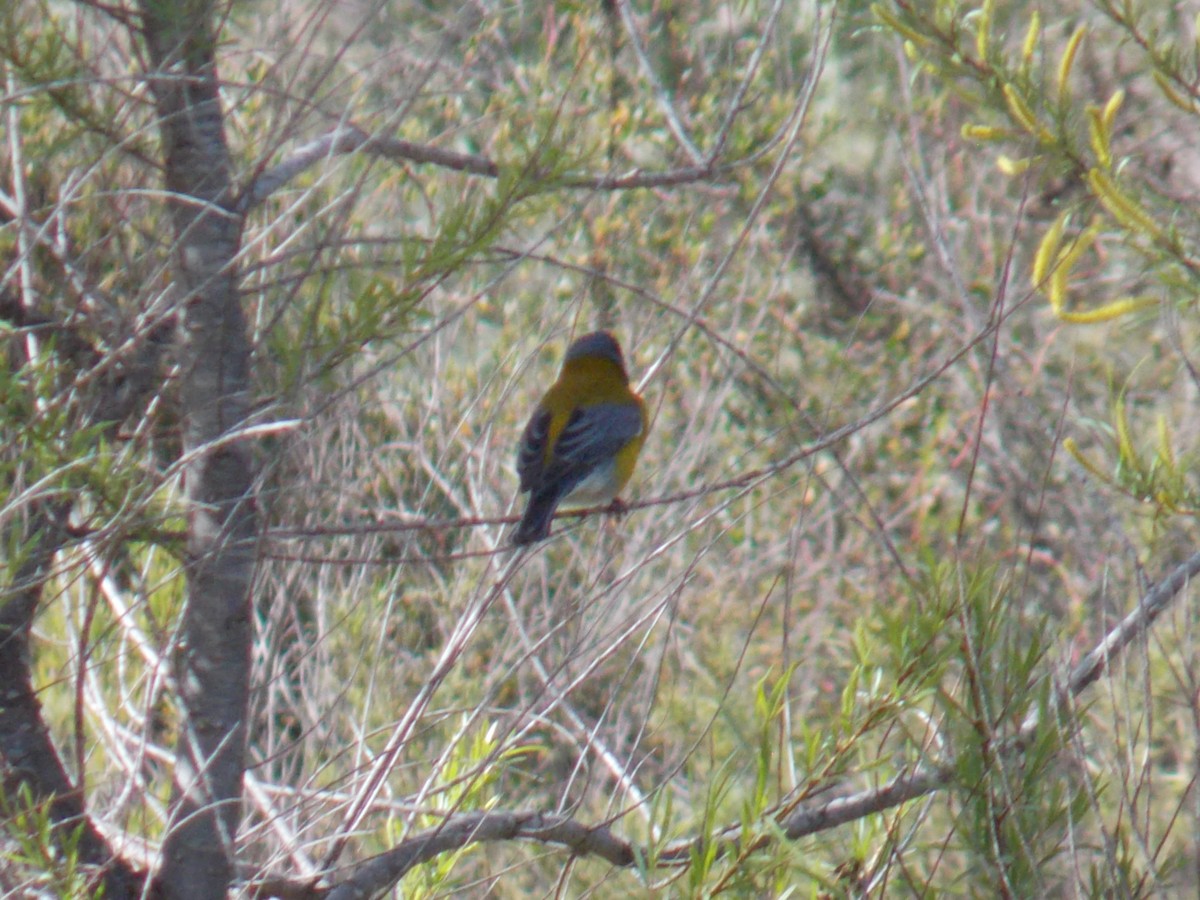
(214,655)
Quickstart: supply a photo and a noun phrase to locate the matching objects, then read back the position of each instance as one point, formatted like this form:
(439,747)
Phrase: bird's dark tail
(535,524)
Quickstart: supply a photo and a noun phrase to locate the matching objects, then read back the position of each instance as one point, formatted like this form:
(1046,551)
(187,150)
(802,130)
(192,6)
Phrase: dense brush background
(895,484)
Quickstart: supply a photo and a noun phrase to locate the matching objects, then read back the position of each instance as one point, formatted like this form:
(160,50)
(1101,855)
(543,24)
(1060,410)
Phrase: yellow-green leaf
(983,33)
(1056,289)
(1070,255)
(1166,453)
(1067,62)
(1011,167)
(892,21)
(1098,135)
(1125,449)
(1056,283)
(985,133)
(1173,96)
(1047,249)
(1123,208)
(1019,110)
(1031,38)
(1108,312)
(1110,109)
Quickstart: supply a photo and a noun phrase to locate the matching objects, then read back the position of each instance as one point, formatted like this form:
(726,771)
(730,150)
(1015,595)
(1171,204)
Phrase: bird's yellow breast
(588,382)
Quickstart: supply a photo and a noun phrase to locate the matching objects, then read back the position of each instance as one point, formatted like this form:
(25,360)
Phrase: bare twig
(1149,608)
(738,99)
(348,139)
(351,139)
(665,103)
(378,873)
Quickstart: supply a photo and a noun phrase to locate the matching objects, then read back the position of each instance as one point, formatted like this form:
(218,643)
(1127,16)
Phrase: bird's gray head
(597,343)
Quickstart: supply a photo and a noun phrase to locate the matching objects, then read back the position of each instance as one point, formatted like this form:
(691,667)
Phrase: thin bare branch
(348,139)
(351,139)
(665,103)
(1133,626)
(470,828)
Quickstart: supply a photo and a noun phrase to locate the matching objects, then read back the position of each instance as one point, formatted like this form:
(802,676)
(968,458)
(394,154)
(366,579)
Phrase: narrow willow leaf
(1067,62)
(1109,311)
(1166,452)
(1056,289)
(1064,263)
(1126,452)
(1020,111)
(1172,95)
(1070,255)
(1048,249)
(1111,108)
(983,35)
(986,133)
(1098,136)
(1072,448)
(892,21)
(1124,208)
(1031,39)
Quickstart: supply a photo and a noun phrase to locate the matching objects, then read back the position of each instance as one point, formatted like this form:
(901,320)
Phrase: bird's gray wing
(592,436)
(532,454)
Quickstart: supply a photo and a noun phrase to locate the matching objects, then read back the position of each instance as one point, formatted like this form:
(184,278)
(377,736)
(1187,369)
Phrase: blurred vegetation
(976,264)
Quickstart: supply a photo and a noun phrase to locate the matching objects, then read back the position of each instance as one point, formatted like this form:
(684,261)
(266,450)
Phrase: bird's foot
(617,508)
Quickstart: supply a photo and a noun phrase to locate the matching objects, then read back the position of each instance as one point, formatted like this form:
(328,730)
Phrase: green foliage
(1026,90)
(1014,808)
(1122,241)
(473,767)
(49,858)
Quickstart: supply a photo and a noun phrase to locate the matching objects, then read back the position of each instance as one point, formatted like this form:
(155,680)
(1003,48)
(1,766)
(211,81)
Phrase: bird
(582,442)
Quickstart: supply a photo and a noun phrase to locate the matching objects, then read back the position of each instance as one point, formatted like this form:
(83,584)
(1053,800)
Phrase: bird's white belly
(600,486)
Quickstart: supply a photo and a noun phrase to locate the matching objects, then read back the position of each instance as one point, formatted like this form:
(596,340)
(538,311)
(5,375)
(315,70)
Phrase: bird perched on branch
(582,442)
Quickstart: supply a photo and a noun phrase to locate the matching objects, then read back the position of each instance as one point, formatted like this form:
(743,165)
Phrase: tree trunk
(214,655)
